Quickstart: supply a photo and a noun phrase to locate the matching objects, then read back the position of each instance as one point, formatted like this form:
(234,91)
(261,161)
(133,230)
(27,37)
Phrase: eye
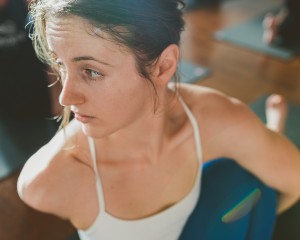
(92,74)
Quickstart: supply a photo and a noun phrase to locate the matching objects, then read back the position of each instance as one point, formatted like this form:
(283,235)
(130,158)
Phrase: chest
(142,193)
(135,193)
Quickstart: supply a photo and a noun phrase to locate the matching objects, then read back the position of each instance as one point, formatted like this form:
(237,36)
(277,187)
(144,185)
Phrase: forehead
(79,34)
(69,27)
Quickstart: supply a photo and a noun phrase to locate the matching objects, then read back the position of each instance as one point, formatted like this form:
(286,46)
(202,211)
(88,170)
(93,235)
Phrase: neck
(147,138)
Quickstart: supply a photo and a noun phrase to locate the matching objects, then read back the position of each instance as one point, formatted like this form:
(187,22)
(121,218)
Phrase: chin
(93,132)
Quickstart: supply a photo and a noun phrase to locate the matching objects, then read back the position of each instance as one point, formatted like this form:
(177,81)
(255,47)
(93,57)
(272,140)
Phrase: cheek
(121,93)
(111,100)
(134,92)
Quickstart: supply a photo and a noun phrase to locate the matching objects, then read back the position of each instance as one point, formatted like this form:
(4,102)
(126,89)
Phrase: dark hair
(145,27)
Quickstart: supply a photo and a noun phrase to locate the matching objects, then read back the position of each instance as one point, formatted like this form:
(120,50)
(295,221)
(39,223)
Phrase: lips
(83,118)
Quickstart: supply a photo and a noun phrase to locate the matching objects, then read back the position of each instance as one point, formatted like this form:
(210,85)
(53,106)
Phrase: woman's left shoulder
(207,102)
(221,119)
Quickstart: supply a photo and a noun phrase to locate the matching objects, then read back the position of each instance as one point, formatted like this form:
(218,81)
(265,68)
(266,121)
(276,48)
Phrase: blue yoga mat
(249,35)
(233,205)
(292,130)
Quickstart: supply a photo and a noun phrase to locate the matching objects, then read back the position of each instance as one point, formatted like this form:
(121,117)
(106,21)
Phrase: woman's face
(99,78)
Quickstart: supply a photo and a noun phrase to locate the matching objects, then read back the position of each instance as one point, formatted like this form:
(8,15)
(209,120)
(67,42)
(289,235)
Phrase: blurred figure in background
(24,84)
(284,26)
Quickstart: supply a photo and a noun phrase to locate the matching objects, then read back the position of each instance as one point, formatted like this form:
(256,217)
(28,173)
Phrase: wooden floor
(237,72)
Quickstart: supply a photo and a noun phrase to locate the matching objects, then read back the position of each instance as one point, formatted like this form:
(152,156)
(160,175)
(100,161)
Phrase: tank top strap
(99,187)
(195,127)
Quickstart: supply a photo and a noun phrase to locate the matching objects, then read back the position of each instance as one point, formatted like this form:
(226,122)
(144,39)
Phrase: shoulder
(55,173)
(220,117)
(210,104)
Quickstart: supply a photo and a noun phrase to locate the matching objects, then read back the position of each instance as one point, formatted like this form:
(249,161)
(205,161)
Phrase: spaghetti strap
(195,127)
(99,187)
(167,223)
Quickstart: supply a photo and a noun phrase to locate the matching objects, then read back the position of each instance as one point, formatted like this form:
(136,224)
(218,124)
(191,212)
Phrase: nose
(71,93)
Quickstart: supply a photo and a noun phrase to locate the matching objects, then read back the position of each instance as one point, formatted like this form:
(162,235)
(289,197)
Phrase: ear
(166,65)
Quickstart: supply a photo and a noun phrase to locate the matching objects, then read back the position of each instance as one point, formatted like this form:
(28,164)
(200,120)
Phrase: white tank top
(165,225)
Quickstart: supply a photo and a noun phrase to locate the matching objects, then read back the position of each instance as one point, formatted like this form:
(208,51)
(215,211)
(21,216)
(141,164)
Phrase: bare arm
(47,180)
(240,135)
(268,155)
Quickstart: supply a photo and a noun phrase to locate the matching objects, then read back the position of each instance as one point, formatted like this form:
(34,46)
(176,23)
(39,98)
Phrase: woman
(127,166)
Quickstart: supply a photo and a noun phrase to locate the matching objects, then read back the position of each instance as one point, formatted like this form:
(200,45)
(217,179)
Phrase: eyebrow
(89,58)
(86,58)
